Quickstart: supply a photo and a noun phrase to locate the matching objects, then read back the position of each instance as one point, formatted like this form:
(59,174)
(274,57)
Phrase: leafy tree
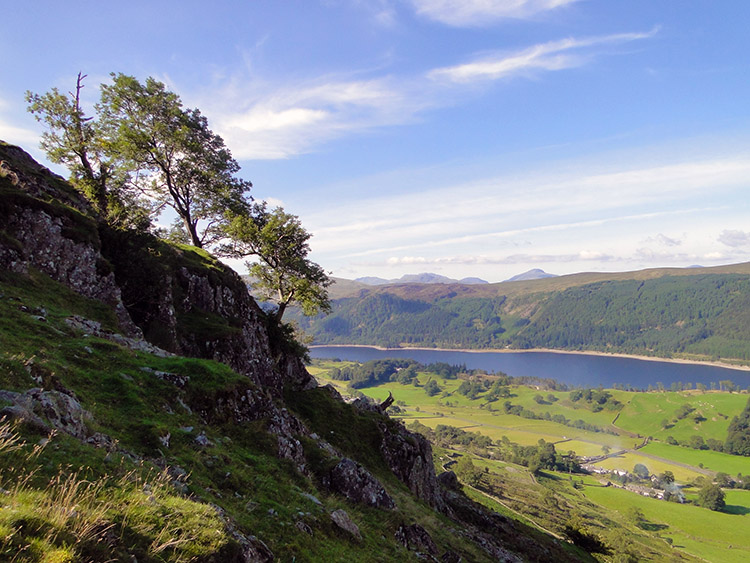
(738,433)
(467,471)
(641,471)
(432,388)
(711,496)
(283,272)
(177,161)
(666,478)
(77,141)
(636,516)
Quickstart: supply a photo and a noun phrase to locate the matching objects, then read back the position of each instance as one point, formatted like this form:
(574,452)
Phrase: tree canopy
(283,272)
(144,150)
(711,496)
(77,141)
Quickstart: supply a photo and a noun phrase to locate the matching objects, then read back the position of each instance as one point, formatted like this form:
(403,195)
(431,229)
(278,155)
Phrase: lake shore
(548,351)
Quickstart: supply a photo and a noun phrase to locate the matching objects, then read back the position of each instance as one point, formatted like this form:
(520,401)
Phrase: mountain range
(418,278)
(696,313)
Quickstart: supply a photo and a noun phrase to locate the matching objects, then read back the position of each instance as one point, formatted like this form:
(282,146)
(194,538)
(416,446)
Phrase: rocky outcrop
(46,410)
(358,485)
(190,304)
(46,225)
(178,297)
(409,456)
(416,538)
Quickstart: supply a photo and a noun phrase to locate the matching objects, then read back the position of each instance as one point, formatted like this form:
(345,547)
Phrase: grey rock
(344,522)
(416,538)
(358,485)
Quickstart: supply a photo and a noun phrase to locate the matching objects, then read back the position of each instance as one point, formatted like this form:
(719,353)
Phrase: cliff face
(178,298)
(46,225)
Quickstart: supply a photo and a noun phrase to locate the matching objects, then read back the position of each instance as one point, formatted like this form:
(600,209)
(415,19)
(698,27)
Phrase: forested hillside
(685,312)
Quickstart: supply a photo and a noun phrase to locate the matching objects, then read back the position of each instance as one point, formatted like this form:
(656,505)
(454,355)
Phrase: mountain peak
(533,274)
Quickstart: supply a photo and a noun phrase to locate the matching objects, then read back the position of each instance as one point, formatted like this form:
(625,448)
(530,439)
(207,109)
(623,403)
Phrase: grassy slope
(239,471)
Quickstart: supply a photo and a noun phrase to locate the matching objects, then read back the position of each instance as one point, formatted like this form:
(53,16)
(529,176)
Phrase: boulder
(416,538)
(344,522)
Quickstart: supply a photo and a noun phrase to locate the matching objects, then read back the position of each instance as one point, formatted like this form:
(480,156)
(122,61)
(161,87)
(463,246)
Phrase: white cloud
(464,260)
(295,118)
(16,134)
(551,56)
(663,240)
(462,13)
(263,120)
(735,239)
(574,215)
(497,211)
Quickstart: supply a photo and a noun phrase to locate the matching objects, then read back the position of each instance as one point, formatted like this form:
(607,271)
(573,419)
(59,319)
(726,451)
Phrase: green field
(691,529)
(627,461)
(715,461)
(645,412)
(713,536)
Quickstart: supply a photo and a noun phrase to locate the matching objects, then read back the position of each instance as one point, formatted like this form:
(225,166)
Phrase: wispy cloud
(471,260)
(735,238)
(466,13)
(663,240)
(266,120)
(551,56)
(293,119)
(496,220)
(13,133)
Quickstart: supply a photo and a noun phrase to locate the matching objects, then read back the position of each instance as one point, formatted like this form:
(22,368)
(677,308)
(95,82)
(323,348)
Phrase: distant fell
(425,277)
(473,281)
(533,274)
(371,280)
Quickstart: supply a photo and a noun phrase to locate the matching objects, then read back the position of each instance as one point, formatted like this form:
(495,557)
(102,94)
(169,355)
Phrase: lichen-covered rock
(53,408)
(416,538)
(47,225)
(358,485)
(343,521)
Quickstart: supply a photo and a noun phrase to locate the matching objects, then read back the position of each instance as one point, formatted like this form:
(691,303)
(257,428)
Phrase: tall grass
(71,518)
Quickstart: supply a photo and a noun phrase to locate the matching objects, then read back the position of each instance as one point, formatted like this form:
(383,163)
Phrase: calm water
(573,369)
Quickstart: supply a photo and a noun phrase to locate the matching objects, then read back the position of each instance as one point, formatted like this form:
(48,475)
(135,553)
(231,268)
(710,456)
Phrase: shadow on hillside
(652,527)
(736,509)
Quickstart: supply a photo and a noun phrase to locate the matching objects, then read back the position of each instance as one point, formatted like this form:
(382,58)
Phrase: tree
(738,433)
(641,471)
(711,496)
(666,478)
(432,388)
(636,516)
(283,272)
(467,471)
(77,142)
(177,161)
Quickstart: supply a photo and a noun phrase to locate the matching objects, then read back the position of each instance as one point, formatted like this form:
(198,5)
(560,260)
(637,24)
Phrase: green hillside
(692,313)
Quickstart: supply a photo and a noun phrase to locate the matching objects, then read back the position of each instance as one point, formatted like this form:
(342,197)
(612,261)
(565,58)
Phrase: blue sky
(467,138)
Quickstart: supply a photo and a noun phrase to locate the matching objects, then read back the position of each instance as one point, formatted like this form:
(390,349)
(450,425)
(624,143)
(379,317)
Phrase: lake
(574,369)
